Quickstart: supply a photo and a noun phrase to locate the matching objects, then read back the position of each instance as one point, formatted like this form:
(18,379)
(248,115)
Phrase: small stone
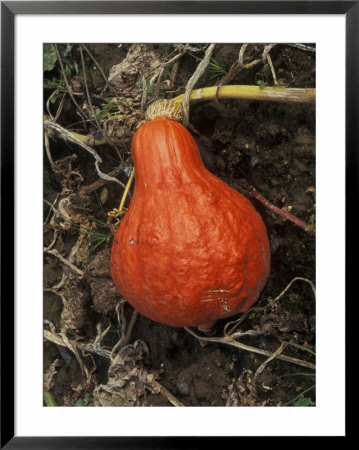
(182,387)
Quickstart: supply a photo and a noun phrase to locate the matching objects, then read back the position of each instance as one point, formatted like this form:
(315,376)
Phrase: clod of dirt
(74,298)
(70,212)
(204,379)
(103,291)
(286,325)
(142,60)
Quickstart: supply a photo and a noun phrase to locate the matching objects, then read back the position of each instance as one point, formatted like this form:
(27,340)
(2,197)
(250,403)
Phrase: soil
(268,145)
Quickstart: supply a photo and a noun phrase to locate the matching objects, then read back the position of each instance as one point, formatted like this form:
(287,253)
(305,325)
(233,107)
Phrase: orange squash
(190,249)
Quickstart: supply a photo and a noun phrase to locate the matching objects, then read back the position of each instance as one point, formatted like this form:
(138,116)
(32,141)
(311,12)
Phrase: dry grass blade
(171,398)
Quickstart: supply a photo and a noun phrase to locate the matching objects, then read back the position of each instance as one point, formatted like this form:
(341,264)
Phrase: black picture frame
(9,9)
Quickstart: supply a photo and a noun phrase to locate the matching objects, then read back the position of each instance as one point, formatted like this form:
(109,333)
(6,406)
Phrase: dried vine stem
(100,351)
(47,148)
(264,365)
(235,323)
(269,59)
(72,138)
(193,80)
(100,182)
(306,48)
(130,327)
(229,339)
(239,65)
(55,253)
(86,347)
(178,53)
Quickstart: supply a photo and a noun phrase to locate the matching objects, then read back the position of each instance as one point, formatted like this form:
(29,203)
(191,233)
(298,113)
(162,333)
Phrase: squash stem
(125,192)
(246,92)
(116,213)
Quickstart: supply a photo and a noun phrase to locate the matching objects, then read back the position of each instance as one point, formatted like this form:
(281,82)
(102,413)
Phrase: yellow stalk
(277,94)
(116,213)
(125,192)
(83,139)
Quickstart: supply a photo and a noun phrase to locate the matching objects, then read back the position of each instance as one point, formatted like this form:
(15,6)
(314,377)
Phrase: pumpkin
(190,249)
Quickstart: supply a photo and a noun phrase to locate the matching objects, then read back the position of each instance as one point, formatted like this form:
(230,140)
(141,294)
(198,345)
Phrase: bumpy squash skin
(190,249)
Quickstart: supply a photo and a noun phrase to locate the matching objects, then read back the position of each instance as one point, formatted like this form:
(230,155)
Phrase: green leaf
(303,401)
(266,71)
(67,51)
(149,87)
(53,84)
(262,84)
(76,67)
(83,401)
(50,57)
(296,374)
(86,399)
(299,400)
(67,71)
(301,347)
(49,399)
